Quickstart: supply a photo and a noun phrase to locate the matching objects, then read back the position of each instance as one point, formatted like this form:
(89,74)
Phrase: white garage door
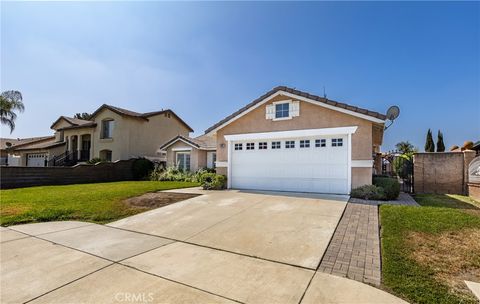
(36,160)
(307,164)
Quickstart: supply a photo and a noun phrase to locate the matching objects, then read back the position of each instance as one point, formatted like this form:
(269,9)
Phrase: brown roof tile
(300,93)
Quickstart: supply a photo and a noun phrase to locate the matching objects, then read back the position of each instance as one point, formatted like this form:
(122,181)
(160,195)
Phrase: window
(305,143)
(183,161)
(107,128)
(238,146)
(281,110)
(250,146)
(275,145)
(106,155)
(262,146)
(337,142)
(320,143)
(290,144)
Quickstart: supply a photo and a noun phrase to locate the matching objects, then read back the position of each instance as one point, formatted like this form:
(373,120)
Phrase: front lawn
(99,203)
(428,251)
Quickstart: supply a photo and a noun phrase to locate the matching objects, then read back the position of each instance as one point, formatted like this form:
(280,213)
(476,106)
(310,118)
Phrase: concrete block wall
(17,177)
(445,172)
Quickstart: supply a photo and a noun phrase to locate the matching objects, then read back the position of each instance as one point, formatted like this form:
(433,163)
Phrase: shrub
(141,168)
(368,192)
(95,160)
(212,181)
(169,174)
(390,186)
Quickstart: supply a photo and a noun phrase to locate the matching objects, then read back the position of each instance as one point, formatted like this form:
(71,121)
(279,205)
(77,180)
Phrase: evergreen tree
(429,144)
(440,144)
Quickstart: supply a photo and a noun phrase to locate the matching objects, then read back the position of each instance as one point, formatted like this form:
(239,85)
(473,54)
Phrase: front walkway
(354,251)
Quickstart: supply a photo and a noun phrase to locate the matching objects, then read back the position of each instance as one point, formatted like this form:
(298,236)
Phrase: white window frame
(238,147)
(276,145)
(177,162)
(289,144)
(320,143)
(250,146)
(337,142)
(304,143)
(276,104)
(263,145)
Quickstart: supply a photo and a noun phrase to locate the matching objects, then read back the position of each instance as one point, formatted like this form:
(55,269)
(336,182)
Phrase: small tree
(405,147)
(429,144)
(84,116)
(440,144)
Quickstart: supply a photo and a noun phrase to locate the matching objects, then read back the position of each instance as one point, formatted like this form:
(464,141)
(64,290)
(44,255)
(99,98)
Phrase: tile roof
(200,142)
(144,116)
(41,145)
(17,142)
(299,93)
(71,120)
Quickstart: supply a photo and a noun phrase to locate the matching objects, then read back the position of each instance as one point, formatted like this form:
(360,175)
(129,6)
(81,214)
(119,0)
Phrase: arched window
(107,128)
(106,155)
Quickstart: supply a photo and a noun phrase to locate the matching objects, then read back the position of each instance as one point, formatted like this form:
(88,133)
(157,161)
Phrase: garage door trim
(289,134)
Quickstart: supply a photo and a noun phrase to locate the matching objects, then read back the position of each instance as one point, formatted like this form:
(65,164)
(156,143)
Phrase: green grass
(99,203)
(441,217)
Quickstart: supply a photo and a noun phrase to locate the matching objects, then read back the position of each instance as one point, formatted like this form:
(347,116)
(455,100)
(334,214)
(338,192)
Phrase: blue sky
(206,60)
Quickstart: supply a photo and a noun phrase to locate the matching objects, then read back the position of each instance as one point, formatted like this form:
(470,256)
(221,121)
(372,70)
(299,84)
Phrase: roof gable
(142,116)
(302,96)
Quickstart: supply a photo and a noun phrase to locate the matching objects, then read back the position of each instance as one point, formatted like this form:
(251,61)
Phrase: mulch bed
(157,199)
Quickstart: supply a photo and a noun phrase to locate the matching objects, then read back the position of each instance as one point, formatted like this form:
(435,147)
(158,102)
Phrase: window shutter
(270,112)
(294,108)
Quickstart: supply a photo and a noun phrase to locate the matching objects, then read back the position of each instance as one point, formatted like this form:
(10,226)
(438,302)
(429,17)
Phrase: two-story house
(111,134)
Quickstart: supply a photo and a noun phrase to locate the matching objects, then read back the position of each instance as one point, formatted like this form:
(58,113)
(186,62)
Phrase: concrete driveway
(221,247)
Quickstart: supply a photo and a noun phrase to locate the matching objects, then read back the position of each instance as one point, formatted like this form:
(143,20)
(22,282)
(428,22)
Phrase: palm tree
(405,147)
(10,102)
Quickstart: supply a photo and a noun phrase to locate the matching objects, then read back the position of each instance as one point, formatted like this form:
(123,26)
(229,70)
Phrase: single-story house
(31,152)
(191,154)
(289,140)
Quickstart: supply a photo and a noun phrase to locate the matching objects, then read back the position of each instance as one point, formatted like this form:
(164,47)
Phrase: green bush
(368,192)
(390,186)
(212,181)
(95,160)
(141,168)
(174,174)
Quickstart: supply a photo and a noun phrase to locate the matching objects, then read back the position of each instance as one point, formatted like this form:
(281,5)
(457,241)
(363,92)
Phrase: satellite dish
(392,114)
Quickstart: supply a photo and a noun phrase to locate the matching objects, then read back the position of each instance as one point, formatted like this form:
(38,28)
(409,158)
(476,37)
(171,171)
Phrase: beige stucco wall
(361,176)
(147,137)
(198,158)
(133,137)
(311,117)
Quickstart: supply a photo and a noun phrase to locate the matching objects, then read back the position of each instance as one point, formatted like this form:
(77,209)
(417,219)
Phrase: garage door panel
(312,169)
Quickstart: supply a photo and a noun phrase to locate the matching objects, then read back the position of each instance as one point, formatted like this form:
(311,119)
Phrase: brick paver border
(354,250)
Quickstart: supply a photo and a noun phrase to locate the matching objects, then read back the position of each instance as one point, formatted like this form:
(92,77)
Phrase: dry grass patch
(453,256)
(157,199)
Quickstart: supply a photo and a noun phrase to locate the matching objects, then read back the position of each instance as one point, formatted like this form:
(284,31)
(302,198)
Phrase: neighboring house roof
(285,89)
(19,142)
(476,146)
(90,124)
(203,142)
(144,116)
(40,145)
(72,121)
